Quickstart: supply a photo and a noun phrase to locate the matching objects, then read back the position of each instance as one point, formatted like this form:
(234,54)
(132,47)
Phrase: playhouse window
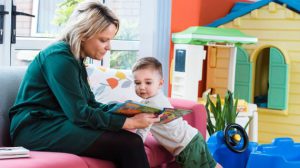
(243,75)
(270,87)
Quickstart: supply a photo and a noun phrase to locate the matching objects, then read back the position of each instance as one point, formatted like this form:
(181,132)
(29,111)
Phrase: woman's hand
(141,120)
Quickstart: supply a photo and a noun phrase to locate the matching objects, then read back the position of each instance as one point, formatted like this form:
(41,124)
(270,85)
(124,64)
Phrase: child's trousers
(196,154)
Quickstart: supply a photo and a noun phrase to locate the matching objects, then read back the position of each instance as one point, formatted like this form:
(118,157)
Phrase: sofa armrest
(197,118)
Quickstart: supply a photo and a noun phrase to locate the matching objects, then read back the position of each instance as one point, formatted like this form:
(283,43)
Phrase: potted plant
(223,114)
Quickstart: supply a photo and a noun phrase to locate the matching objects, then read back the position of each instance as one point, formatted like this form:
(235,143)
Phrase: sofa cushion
(157,155)
(96,163)
(197,118)
(47,160)
(111,84)
(10,80)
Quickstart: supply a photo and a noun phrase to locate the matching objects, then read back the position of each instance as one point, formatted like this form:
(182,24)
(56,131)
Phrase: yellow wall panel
(264,13)
(294,99)
(295,55)
(265,24)
(288,119)
(279,14)
(295,67)
(294,109)
(275,35)
(287,130)
(289,46)
(294,85)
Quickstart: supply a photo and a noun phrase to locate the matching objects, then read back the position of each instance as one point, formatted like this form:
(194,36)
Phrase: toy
(236,138)
(231,148)
(282,153)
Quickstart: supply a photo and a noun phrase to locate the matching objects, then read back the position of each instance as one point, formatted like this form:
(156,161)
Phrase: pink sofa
(157,155)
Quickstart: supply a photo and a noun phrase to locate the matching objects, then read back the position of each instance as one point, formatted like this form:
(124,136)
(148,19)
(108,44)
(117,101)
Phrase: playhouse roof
(207,35)
(242,8)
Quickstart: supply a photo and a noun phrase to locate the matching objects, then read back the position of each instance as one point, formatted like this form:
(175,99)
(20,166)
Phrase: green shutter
(243,75)
(278,72)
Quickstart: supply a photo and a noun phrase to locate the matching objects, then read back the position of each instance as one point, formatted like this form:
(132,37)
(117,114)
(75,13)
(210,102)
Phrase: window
(126,44)
(271,77)
(41,30)
(145,31)
(243,75)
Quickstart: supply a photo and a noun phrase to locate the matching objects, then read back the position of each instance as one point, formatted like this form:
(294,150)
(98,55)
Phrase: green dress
(55,109)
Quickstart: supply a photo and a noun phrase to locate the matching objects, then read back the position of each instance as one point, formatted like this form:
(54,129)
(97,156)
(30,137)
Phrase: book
(131,108)
(13,152)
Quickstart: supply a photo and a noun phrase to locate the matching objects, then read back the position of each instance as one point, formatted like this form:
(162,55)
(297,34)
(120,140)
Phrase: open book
(13,152)
(131,108)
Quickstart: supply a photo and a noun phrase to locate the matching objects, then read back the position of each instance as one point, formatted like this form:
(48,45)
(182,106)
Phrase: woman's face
(96,46)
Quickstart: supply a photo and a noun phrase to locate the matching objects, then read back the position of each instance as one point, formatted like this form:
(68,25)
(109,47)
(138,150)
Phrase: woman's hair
(148,63)
(88,18)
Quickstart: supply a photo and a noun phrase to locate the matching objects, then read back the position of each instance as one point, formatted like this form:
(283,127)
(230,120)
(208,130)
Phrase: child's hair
(148,63)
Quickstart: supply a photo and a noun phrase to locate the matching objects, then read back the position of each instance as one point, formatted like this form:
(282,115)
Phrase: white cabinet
(187,71)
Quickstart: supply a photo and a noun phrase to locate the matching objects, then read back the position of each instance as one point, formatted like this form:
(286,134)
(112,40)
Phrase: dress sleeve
(63,75)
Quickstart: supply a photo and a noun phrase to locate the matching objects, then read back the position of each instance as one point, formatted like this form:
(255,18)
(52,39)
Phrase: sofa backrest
(10,78)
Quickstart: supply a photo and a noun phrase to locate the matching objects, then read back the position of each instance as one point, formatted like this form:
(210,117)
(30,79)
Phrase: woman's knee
(134,141)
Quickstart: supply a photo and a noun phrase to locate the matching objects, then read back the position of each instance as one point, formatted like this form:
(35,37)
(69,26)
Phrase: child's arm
(143,132)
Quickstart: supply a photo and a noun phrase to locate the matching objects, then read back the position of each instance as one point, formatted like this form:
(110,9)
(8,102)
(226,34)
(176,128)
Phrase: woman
(55,109)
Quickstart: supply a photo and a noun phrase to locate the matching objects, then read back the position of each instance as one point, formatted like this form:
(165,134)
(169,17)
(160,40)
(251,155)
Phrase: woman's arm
(63,75)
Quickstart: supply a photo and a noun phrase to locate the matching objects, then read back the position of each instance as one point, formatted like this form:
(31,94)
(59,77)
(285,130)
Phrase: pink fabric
(156,154)
(197,118)
(45,160)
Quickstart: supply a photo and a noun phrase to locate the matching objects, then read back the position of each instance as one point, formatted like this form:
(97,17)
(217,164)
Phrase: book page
(130,108)
(170,114)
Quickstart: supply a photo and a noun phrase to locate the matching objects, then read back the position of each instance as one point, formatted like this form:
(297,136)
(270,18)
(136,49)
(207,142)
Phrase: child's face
(147,82)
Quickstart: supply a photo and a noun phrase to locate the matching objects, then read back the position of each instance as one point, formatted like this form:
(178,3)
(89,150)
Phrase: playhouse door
(217,69)
(278,72)
(243,75)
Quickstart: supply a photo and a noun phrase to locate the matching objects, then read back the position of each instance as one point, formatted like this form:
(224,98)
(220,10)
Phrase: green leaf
(250,119)
(222,115)
(210,127)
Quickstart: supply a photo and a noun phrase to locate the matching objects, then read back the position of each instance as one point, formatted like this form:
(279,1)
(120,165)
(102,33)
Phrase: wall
(196,13)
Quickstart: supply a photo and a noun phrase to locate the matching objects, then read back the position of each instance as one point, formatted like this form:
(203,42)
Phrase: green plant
(122,59)
(223,114)
(64,11)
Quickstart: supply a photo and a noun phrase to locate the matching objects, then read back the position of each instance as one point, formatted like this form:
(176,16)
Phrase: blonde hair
(87,19)
(148,63)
